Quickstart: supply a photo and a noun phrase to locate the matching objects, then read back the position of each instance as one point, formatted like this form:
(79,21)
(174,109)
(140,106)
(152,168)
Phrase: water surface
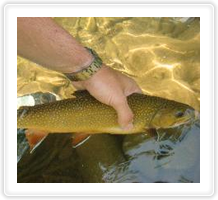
(163,56)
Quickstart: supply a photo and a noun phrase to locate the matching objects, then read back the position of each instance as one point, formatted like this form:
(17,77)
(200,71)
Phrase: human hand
(112,87)
(64,54)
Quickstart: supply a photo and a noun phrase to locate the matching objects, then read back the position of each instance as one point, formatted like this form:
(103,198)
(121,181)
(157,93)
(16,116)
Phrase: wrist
(87,72)
(86,60)
(99,74)
(78,61)
(81,85)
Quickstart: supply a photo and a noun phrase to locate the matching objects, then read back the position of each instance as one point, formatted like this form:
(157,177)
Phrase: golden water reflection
(161,54)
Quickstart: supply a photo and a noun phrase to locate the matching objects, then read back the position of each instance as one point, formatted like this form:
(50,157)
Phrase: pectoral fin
(79,138)
(34,137)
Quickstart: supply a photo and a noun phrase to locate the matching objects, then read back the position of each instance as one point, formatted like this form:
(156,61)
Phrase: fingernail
(128,127)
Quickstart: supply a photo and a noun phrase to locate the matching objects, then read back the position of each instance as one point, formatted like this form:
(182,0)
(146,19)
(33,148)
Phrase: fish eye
(179,114)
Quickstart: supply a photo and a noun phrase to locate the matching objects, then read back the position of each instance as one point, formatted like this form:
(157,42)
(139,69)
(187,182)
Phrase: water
(163,56)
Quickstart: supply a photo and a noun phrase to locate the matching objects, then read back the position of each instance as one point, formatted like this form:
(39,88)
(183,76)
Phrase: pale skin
(43,41)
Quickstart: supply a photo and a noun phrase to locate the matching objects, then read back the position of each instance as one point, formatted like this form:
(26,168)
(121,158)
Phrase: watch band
(86,73)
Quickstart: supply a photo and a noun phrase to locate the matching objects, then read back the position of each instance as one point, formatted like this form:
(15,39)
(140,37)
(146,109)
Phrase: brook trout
(87,115)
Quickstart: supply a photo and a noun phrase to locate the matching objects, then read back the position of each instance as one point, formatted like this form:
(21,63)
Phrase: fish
(85,114)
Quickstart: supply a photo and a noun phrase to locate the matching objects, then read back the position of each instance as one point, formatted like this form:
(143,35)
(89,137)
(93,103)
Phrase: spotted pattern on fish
(86,114)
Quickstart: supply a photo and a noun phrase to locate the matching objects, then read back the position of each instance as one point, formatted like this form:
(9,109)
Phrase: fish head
(173,115)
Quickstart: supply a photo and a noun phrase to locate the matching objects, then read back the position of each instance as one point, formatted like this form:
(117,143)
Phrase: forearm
(43,41)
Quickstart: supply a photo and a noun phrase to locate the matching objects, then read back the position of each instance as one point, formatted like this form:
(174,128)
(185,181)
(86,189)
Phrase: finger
(78,85)
(135,90)
(138,90)
(125,115)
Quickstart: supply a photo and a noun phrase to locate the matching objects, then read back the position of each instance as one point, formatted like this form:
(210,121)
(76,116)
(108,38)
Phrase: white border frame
(205,188)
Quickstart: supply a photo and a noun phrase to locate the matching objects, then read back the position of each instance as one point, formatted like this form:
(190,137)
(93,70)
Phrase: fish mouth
(182,121)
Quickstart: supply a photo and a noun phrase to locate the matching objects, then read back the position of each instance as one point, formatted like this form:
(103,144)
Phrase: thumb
(125,115)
